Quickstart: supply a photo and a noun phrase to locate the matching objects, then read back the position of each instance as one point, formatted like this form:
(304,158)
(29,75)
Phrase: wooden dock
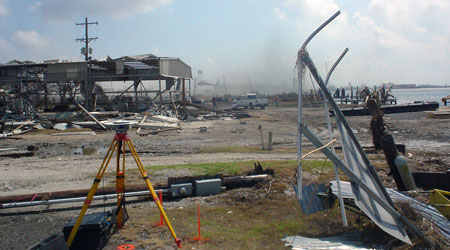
(441,113)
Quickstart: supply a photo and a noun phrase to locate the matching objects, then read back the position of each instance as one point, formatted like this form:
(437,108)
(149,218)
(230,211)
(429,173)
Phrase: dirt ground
(59,165)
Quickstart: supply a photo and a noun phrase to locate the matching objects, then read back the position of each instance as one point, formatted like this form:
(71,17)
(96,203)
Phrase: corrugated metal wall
(66,72)
(174,67)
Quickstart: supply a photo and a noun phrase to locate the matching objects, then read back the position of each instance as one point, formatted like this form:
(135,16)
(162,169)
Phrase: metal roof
(142,67)
(138,65)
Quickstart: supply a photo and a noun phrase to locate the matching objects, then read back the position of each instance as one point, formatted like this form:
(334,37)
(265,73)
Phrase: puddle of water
(101,151)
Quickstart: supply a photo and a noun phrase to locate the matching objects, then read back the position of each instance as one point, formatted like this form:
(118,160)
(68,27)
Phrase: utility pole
(250,84)
(86,50)
(88,85)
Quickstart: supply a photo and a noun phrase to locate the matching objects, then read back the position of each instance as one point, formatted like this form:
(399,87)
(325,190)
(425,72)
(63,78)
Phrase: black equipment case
(93,233)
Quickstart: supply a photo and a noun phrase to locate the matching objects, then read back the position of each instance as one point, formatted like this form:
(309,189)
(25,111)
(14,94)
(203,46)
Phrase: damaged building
(26,85)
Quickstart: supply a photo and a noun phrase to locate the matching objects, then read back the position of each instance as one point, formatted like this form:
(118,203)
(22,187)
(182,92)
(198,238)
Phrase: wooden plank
(87,112)
(140,123)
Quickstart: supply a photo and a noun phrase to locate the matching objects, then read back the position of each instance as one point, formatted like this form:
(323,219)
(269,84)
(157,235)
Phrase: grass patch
(240,167)
(260,224)
(247,218)
(237,227)
(314,170)
(225,168)
(247,149)
(309,165)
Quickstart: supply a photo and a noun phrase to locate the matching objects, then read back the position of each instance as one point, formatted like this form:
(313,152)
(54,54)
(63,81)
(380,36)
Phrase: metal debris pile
(365,186)
(77,119)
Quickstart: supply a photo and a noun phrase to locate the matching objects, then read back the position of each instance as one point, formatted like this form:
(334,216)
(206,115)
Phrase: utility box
(208,187)
(183,189)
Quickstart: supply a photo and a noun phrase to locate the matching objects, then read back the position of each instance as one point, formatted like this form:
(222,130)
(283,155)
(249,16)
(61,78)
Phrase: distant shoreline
(420,87)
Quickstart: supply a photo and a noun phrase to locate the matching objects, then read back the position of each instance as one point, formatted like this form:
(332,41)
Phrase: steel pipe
(330,136)
(300,68)
(77,199)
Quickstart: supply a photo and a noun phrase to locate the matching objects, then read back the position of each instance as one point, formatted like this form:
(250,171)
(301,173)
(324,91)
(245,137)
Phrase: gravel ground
(57,166)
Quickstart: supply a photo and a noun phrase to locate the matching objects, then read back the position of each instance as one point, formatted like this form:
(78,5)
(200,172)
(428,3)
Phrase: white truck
(250,101)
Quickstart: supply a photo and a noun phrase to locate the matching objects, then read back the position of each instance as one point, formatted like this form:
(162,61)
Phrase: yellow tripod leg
(152,191)
(92,191)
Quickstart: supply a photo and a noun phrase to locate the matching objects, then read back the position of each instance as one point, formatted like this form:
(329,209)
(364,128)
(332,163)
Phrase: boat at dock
(390,109)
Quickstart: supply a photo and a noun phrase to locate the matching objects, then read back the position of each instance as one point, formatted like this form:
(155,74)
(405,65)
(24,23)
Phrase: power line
(86,50)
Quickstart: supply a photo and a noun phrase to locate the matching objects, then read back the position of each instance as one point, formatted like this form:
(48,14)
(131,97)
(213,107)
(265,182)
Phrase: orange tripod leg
(120,186)
(92,191)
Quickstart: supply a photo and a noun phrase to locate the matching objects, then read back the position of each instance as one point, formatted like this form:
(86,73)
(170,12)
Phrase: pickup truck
(250,101)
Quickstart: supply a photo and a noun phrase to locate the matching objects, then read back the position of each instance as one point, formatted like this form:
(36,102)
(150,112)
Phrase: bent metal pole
(300,68)
(330,135)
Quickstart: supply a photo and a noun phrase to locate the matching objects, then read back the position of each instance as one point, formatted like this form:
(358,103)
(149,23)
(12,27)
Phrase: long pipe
(299,133)
(319,29)
(77,199)
(334,66)
(229,182)
(330,136)
(68,194)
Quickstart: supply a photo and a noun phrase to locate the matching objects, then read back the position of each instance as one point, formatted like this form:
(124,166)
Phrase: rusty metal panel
(76,71)
(174,67)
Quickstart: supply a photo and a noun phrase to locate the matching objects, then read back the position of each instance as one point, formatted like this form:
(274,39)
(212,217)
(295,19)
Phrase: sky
(401,41)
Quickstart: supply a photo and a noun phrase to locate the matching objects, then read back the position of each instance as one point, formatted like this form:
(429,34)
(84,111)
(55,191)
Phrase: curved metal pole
(330,136)
(334,66)
(300,67)
(319,29)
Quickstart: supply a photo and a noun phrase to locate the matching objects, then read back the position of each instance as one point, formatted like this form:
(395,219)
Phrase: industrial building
(26,84)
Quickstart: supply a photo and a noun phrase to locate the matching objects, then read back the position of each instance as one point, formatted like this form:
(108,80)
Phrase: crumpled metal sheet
(340,242)
(427,211)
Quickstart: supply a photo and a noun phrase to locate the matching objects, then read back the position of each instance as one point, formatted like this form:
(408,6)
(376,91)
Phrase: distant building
(404,86)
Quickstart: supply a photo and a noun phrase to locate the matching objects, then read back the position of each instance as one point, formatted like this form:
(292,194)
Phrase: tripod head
(121,127)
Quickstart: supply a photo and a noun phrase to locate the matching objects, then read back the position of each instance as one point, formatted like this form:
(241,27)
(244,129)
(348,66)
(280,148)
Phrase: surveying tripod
(120,141)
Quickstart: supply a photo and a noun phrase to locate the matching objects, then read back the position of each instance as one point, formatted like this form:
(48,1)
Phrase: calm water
(421,94)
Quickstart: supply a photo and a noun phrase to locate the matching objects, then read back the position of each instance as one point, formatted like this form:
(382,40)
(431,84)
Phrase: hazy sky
(402,41)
